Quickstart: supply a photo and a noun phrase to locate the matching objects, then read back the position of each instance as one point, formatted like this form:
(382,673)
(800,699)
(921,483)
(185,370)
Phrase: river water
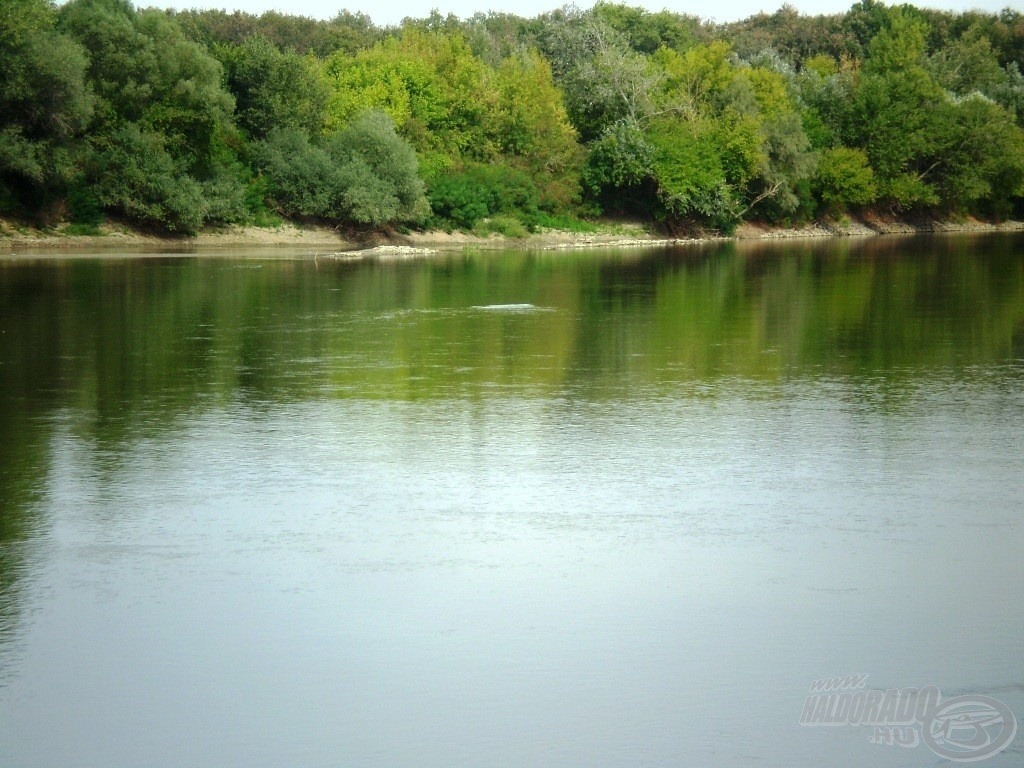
(597,508)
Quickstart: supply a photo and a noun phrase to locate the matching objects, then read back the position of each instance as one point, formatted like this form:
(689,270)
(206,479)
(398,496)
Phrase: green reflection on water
(135,360)
(124,348)
(158,337)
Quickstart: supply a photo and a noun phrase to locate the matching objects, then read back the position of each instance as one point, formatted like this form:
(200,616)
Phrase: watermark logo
(969,728)
(963,729)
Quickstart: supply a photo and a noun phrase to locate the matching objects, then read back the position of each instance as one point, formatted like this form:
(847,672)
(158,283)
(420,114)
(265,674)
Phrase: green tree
(602,79)
(430,84)
(615,84)
(825,91)
(966,65)
(979,158)
(378,171)
(363,174)
(778,187)
(794,36)
(346,32)
(969,65)
(863,22)
(894,114)
(619,173)
(135,175)
(44,105)
(647,32)
(144,70)
(529,127)
(747,119)
(844,179)
(691,181)
(158,95)
(301,179)
(275,89)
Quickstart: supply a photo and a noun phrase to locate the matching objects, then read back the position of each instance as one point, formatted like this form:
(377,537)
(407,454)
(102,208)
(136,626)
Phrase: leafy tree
(620,168)
(863,22)
(145,71)
(602,79)
(899,45)
(614,85)
(795,37)
(825,92)
(136,175)
(346,32)
(464,197)
(302,180)
(378,172)
(646,32)
(44,105)
(529,127)
(979,158)
(748,117)
(894,114)
(780,188)
(697,81)
(275,89)
(691,180)
(1004,30)
(495,36)
(429,83)
(569,37)
(226,185)
(152,152)
(784,160)
(844,179)
(969,65)
(43,91)
(363,174)
(1010,93)
(966,65)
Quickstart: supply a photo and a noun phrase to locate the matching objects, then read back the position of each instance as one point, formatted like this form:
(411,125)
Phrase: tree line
(178,120)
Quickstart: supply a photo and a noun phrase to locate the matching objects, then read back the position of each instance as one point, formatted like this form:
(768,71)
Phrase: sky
(392,12)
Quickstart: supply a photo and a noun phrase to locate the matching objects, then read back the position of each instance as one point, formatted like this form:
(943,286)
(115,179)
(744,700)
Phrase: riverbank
(319,239)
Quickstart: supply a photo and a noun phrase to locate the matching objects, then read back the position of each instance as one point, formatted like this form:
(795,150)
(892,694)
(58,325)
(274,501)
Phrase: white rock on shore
(383,252)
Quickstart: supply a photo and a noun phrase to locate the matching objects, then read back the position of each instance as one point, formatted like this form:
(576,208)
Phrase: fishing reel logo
(964,729)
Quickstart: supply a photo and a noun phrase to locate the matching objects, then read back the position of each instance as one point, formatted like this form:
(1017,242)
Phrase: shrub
(135,176)
(378,172)
(84,206)
(301,179)
(844,179)
(476,192)
(508,226)
(225,200)
(692,183)
(83,230)
(622,157)
(565,223)
(365,173)
(907,190)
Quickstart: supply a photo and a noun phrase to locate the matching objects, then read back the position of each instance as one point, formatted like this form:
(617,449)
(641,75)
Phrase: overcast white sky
(384,12)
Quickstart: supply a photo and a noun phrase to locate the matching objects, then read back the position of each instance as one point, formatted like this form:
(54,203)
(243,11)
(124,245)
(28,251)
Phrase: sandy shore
(328,242)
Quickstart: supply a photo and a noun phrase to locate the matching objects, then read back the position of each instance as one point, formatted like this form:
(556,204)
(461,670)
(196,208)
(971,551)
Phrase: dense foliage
(179,120)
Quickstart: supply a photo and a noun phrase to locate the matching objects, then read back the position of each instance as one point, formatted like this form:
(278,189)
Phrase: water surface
(523,509)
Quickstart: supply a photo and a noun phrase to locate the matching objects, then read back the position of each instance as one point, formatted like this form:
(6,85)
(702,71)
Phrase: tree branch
(770,192)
